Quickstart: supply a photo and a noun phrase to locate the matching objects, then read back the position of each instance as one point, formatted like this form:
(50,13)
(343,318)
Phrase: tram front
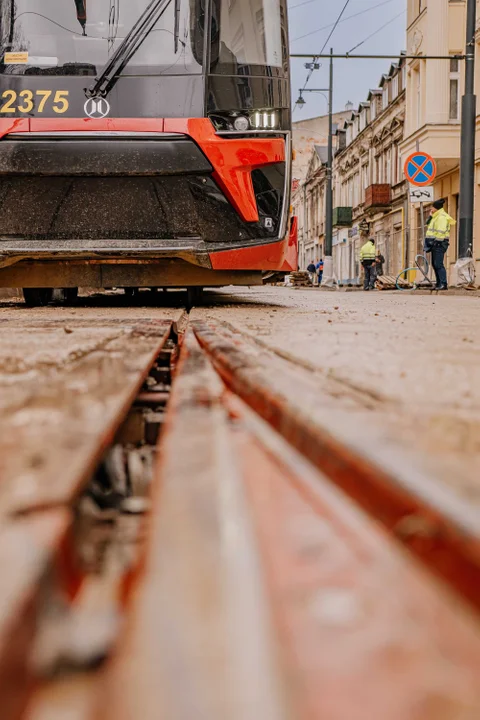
(143,143)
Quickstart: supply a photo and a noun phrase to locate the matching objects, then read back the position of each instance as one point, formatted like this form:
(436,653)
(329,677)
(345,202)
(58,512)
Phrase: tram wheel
(131,292)
(194,296)
(70,295)
(37,297)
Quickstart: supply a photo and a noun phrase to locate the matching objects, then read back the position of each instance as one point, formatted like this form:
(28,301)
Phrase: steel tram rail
(263,590)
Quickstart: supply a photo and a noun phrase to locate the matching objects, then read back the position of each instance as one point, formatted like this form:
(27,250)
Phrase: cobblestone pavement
(413,361)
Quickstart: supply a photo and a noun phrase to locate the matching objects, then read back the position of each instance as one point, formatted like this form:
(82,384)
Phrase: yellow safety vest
(439,228)
(368,252)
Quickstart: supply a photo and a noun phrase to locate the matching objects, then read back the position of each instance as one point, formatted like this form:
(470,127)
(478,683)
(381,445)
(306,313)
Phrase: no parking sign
(420,169)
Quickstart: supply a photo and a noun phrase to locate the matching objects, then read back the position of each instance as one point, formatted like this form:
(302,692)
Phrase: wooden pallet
(389,282)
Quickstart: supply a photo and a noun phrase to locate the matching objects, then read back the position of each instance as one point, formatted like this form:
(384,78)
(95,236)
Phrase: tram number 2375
(27,101)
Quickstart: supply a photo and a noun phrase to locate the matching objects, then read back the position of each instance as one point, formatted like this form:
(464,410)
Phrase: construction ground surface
(406,365)
(265,506)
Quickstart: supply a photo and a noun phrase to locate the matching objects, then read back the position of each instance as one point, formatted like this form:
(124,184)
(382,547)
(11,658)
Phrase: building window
(394,87)
(388,166)
(366,182)
(363,119)
(373,108)
(356,189)
(354,129)
(394,164)
(454,89)
(419,97)
(385,97)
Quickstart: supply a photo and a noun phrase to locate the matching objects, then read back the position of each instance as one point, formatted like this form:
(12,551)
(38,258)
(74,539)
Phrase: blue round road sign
(420,169)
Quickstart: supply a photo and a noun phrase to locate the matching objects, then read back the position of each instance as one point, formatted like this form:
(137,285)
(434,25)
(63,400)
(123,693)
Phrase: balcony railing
(342,217)
(378,196)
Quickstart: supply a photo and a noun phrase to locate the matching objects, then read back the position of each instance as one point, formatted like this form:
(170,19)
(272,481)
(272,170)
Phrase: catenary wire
(349,17)
(310,72)
(306,2)
(377,31)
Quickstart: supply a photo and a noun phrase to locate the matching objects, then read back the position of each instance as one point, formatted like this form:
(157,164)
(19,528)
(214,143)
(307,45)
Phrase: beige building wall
(308,133)
(366,166)
(369,166)
(306,198)
(434,92)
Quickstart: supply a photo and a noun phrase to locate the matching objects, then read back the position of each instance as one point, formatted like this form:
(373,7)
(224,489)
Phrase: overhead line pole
(328,262)
(467,153)
(329,198)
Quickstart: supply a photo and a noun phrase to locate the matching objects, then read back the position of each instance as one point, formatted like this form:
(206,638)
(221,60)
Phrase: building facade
(370,194)
(434,91)
(311,199)
(310,141)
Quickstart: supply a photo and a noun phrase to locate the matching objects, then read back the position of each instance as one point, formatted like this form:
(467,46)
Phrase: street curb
(455,292)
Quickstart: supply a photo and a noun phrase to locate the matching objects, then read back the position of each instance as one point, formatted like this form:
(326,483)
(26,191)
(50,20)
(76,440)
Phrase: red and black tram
(143,143)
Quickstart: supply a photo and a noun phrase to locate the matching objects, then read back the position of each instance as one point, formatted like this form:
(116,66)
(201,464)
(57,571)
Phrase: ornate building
(310,139)
(434,91)
(370,193)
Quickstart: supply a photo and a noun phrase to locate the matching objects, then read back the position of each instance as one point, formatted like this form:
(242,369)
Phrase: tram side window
(251,34)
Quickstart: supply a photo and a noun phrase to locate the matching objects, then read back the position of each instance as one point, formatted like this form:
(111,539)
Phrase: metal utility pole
(328,268)
(329,193)
(467,159)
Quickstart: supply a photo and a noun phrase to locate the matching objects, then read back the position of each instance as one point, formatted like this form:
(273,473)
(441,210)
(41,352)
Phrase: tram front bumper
(192,250)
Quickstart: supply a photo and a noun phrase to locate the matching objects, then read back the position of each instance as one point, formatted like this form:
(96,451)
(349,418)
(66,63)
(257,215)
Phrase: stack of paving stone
(300,279)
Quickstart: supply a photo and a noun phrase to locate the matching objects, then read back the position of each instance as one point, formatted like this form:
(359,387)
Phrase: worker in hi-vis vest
(437,241)
(368,253)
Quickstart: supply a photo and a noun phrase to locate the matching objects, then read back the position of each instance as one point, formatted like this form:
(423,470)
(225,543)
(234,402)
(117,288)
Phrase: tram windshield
(78,37)
(252,33)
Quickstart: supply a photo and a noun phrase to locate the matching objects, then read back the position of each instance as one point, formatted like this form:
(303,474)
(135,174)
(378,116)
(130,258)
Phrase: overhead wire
(349,17)
(305,2)
(310,72)
(377,31)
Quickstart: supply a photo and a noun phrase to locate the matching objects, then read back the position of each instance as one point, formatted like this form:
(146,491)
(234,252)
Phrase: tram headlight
(246,121)
(241,123)
(264,119)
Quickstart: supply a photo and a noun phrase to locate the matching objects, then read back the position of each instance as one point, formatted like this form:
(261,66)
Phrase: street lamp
(328,262)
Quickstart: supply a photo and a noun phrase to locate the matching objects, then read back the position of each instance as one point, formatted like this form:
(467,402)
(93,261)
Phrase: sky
(352,78)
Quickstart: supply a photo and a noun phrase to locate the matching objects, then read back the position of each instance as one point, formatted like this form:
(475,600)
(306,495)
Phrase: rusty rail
(37,519)
(262,591)
(388,483)
(337,622)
